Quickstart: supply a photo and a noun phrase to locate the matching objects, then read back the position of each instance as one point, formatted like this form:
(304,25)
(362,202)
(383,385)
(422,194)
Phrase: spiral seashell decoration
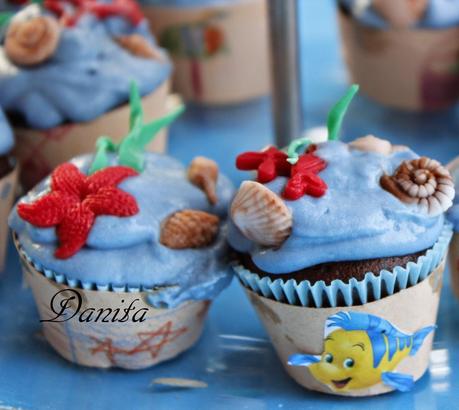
(424,182)
(32,41)
(261,215)
(139,46)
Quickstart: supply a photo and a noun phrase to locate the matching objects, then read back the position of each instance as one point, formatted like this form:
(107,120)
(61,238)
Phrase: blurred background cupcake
(65,70)
(403,53)
(341,250)
(8,179)
(125,229)
(219,47)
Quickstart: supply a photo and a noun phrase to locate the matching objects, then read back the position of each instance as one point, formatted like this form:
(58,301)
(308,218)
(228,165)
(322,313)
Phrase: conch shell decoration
(139,46)
(261,215)
(203,173)
(189,229)
(424,182)
(32,41)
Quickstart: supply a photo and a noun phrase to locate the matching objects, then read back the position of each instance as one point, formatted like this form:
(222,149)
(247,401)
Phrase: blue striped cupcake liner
(77,284)
(355,292)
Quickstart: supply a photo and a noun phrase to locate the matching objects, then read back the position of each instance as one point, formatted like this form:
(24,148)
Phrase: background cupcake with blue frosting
(8,179)
(344,242)
(125,250)
(219,47)
(403,53)
(65,70)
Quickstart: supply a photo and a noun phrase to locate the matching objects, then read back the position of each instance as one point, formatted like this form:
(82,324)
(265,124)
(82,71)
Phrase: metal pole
(286,92)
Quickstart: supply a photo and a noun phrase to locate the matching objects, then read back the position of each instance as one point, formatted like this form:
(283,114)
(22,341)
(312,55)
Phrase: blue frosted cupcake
(215,45)
(124,251)
(403,53)
(65,77)
(334,229)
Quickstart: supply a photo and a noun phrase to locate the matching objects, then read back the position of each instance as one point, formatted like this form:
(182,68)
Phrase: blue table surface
(234,355)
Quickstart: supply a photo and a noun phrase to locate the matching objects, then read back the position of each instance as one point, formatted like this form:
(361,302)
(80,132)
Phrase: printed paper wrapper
(7,196)
(371,287)
(163,335)
(408,69)
(453,167)
(220,52)
(297,329)
(40,151)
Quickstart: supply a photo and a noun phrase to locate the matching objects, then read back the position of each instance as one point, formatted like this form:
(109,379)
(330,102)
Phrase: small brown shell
(139,46)
(32,41)
(261,215)
(424,182)
(189,229)
(203,173)
(400,13)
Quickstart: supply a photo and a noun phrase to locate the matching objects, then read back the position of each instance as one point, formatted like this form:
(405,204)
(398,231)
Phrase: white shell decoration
(424,182)
(370,143)
(261,215)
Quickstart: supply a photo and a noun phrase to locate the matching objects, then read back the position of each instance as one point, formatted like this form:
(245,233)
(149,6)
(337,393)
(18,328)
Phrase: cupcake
(453,216)
(404,53)
(8,178)
(219,47)
(65,70)
(125,250)
(341,249)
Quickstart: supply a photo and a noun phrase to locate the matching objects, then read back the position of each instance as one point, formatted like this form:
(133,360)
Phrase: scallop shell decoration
(203,172)
(189,229)
(424,182)
(139,46)
(261,215)
(32,41)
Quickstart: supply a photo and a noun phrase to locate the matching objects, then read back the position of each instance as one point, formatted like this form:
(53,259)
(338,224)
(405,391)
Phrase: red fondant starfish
(70,11)
(304,179)
(269,163)
(76,200)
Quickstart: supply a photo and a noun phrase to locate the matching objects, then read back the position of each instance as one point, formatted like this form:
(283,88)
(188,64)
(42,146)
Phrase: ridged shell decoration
(424,182)
(32,41)
(139,46)
(261,215)
(203,172)
(189,229)
(370,143)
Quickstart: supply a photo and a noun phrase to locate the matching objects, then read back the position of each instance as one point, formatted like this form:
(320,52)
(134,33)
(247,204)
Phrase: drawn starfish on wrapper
(75,200)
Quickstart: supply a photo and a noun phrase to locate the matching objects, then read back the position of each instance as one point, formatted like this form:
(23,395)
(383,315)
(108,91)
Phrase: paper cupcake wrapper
(297,329)
(162,335)
(412,69)
(220,52)
(40,151)
(356,292)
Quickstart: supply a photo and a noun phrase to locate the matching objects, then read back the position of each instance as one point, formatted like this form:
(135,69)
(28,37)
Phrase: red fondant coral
(70,11)
(74,202)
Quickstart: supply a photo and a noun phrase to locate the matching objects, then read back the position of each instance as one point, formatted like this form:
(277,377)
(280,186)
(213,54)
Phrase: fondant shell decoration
(261,215)
(370,143)
(424,182)
(189,229)
(203,173)
(139,46)
(33,41)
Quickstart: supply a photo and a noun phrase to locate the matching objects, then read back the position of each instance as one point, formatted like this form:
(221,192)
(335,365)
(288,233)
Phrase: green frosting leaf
(295,147)
(131,150)
(336,115)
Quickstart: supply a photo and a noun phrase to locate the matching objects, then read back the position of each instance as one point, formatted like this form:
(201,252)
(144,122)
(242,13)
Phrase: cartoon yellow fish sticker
(360,351)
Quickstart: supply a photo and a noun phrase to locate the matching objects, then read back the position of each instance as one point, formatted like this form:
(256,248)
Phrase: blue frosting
(6,135)
(356,219)
(185,3)
(88,75)
(439,14)
(127,251)
(453,212)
